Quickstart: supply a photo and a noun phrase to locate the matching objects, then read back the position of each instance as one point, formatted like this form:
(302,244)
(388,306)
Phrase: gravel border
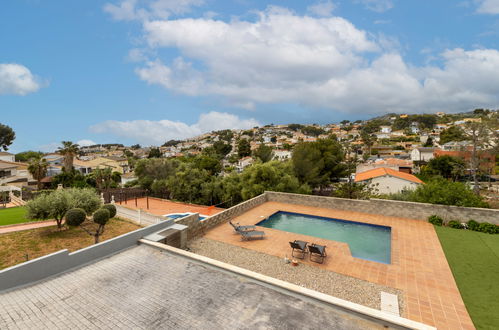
(341,286)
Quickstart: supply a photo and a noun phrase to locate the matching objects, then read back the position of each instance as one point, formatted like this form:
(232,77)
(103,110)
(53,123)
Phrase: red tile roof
(382,171)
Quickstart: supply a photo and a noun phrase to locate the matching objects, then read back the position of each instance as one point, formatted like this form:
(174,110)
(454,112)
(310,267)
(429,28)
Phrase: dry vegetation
(20,246)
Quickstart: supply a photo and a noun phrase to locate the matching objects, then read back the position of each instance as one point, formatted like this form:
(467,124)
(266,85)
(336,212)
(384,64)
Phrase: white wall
(392,185)
(8,158)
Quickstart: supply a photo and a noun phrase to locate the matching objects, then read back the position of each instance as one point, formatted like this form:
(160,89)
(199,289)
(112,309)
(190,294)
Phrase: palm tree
(38,169)
(69,151)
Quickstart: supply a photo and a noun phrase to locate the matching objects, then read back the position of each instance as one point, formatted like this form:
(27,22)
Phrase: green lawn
(13,215)
(474,260)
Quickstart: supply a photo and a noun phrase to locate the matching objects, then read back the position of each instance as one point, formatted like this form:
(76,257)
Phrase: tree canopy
(7,136)
(243,148)
(453,133)
(318,163)
(263,153)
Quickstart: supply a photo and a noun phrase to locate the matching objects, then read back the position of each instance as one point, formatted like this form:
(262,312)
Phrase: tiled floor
(162,206)
(418,268)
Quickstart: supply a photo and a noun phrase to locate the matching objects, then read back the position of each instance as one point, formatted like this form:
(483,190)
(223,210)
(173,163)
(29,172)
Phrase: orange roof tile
(382,171)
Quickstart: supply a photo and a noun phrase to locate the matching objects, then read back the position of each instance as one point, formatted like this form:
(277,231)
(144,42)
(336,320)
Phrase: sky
(147,71)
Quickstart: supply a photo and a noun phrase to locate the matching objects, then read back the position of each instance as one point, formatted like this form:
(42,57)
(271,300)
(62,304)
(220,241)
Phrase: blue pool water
(366,241)
(181,215)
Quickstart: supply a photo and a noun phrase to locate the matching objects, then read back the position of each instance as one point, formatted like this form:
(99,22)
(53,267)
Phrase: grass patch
(474,260)
(25,245)
(13,215)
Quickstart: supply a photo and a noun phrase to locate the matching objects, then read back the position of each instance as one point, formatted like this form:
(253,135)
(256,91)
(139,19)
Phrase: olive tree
(56,204)
(77,217)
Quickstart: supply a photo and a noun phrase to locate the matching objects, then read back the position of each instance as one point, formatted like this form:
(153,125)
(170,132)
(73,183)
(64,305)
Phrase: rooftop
(169,291)
(383,171)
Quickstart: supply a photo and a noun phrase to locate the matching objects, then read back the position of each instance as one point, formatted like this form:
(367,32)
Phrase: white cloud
(377,5)
(314,62)
(17,79)
(128,10)
(488,7)
(85,143)
(149,132)
(322,9)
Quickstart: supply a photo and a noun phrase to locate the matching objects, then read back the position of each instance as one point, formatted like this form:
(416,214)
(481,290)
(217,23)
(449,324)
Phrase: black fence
(122,194)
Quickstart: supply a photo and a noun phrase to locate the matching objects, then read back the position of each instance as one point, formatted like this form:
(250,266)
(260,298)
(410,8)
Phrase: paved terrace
(159,206)
(145,288)
(419,267)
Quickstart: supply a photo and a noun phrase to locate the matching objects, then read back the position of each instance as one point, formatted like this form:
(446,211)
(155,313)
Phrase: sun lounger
(249,235)
(299,246)
(318,252)
(238,228)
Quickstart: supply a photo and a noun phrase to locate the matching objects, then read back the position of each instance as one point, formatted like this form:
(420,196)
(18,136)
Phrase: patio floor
(159,206)
(419,267)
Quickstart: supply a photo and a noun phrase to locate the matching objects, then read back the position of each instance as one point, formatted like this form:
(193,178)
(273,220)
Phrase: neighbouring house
(7,156)
(457,146)
(401,165)
(85,167)
(54,159)
(281,154)
(388,181)
(243,163)
(15,174)
(398,133)
(382,135)
(385,129)
(422,154)
(128,177)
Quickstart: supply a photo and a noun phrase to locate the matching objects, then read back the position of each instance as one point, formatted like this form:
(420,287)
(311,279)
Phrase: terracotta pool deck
(159,206)
(419,267)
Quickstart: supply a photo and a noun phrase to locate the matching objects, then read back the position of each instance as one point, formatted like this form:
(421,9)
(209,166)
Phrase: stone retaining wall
(198,228)
(417,211)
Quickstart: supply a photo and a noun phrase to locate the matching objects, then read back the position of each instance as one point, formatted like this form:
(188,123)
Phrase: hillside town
(401,144)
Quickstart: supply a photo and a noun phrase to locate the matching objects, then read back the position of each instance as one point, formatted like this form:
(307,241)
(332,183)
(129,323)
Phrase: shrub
(38,208)
(435,220)
(473,225)
(454,224)
(489,228)
(86,199)
(75,217)
(111,208)
(441,191)
(101,216)
(56,203)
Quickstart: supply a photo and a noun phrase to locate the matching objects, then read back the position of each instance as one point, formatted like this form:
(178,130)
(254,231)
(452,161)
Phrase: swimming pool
(366,241)
(181,215)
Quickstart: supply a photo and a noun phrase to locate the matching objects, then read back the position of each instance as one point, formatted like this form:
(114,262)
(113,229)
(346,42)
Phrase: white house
(386,129)
(382,135)
(7,156)
(243,163)
(388,181)
(281,154)
(128,177)
(422,154)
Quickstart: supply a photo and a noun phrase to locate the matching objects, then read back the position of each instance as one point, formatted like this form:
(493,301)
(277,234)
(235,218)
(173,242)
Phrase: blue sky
(147,71)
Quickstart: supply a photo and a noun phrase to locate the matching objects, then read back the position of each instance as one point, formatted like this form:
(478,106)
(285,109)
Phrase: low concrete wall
(139,216)
(61,261)
(198,228)
(417,211)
